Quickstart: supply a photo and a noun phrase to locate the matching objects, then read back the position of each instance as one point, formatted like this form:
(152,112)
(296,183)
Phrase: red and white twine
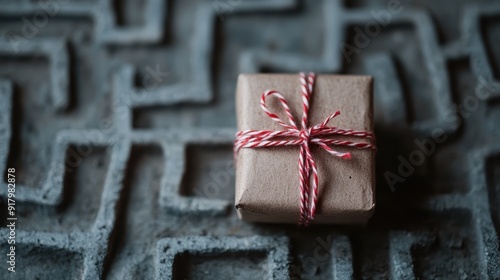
(293,136)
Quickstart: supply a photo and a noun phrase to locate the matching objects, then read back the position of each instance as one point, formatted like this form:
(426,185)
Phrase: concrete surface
(118,117)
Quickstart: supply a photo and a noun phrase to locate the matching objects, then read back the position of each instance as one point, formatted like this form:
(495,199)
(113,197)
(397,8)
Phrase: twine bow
(293,136)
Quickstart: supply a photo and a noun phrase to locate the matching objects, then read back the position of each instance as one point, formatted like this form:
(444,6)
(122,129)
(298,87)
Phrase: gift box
(267,178)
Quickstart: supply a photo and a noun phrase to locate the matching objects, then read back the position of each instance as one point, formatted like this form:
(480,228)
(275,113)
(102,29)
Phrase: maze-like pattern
(124,114)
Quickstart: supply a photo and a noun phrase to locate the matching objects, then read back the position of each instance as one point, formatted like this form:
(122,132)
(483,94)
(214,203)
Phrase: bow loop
(284,104)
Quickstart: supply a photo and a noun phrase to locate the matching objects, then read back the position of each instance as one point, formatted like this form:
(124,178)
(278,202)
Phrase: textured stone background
(126,174)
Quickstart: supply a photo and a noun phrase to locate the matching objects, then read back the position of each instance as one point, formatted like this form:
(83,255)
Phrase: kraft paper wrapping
(267,179)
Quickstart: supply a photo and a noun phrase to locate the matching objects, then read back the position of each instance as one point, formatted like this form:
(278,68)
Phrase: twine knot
(305,135)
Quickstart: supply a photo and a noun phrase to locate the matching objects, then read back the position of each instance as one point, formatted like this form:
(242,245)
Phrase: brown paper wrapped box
(267,179)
